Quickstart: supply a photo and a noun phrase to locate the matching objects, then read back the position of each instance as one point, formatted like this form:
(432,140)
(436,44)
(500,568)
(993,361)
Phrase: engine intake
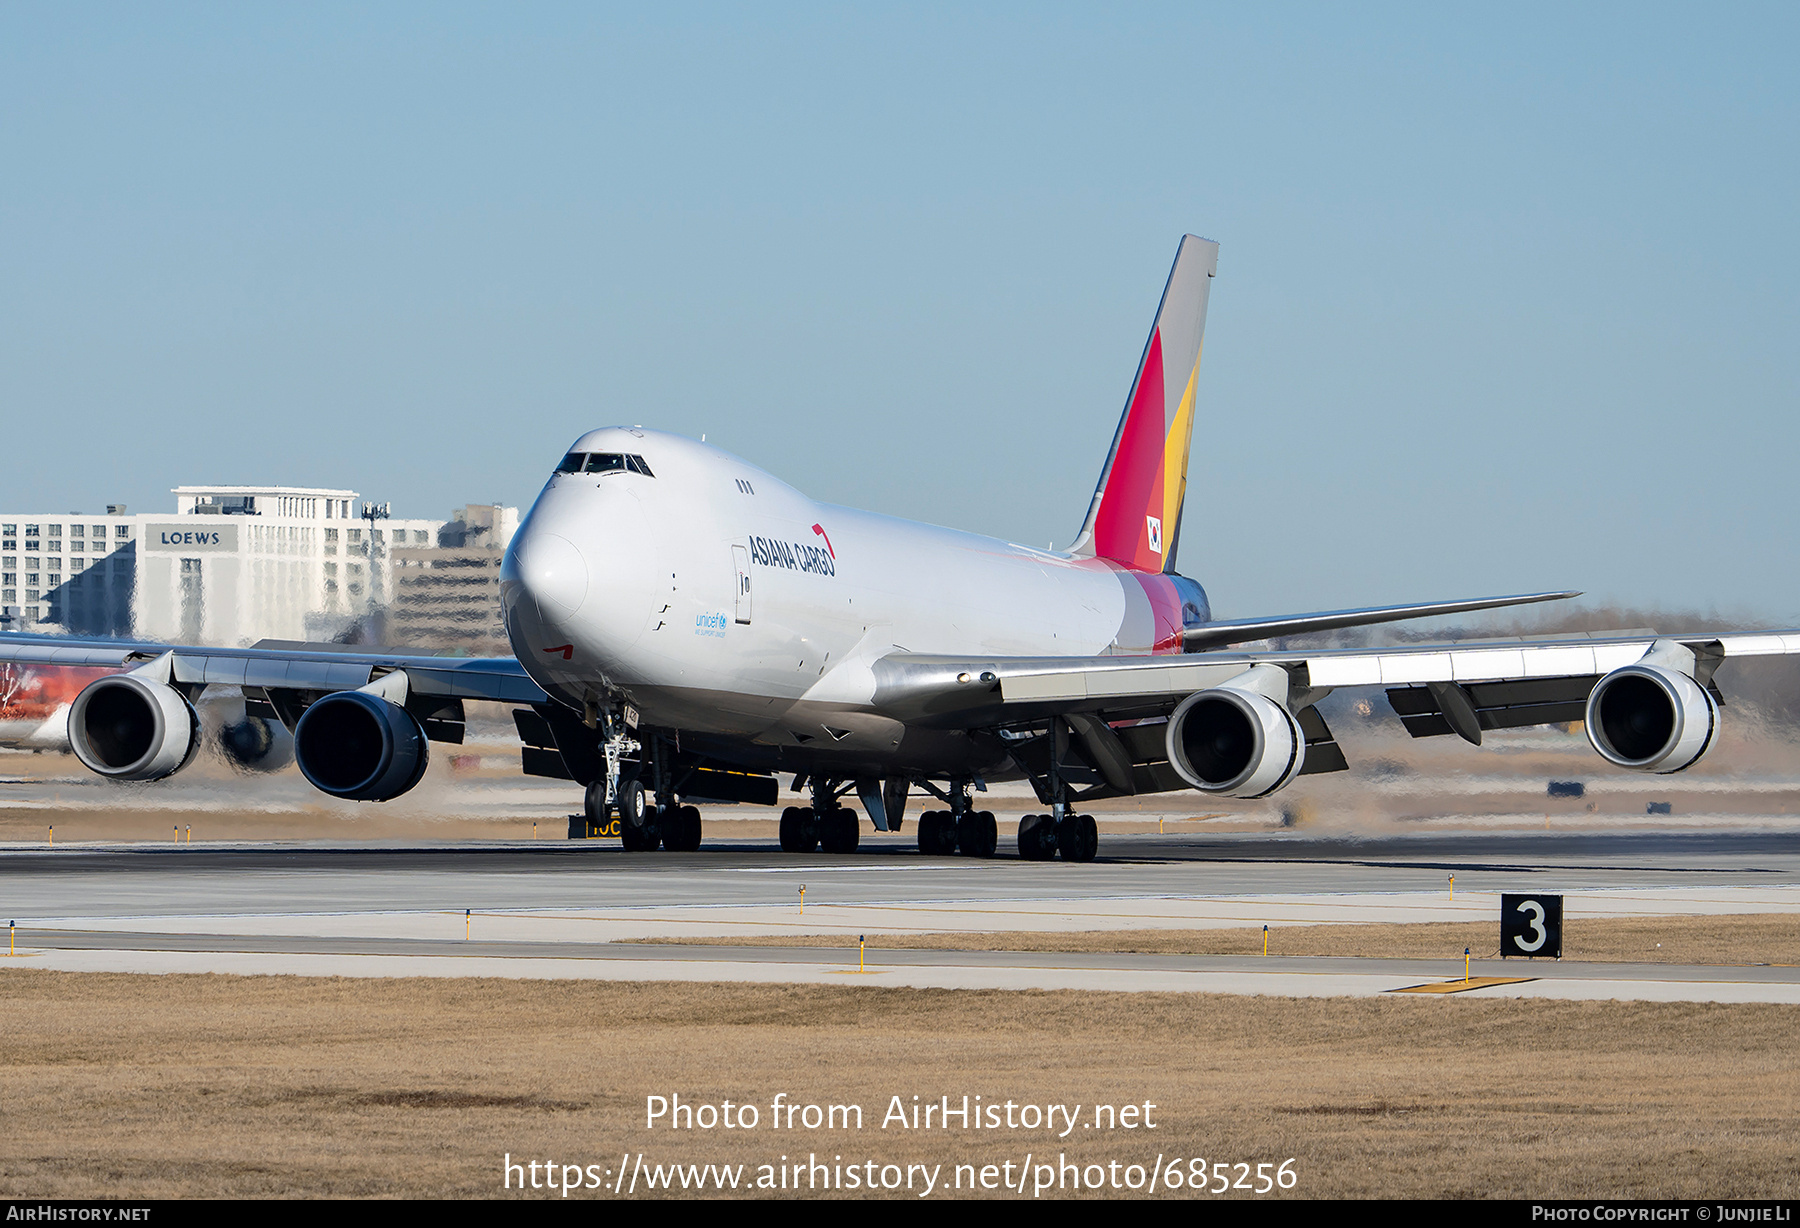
(360,747)
(1235,741)
(131,727)
(1651,718)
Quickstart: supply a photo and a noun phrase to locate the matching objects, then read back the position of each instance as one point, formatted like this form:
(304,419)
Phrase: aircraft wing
(1222,633)
(289,667)
(1110,710)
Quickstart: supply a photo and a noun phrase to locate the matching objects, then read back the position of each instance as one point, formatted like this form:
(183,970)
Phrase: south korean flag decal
(1154,525)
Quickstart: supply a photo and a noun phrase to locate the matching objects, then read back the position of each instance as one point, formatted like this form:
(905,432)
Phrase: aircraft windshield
(604,462)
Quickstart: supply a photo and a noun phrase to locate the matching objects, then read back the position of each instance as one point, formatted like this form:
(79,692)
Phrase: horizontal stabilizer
(1244,630)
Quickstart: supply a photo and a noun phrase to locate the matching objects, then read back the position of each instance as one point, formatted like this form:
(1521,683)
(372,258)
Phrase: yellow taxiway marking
(1459,986)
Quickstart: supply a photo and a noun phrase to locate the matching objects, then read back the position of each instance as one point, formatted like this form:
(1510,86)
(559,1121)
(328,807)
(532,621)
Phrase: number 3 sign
(1531,925)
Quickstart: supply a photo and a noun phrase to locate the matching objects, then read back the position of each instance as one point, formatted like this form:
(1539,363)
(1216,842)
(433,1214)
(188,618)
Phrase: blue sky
(1506,298)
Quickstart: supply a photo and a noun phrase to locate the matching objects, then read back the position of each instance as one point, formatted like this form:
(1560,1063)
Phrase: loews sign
(183,537)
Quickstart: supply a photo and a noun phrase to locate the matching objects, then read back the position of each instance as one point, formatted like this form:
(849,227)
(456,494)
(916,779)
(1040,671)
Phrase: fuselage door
(741,557)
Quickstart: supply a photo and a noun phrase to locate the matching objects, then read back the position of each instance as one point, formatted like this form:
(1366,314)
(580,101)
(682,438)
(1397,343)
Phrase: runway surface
(560,908)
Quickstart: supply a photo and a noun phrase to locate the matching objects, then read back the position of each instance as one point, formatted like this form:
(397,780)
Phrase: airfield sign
(1531,925)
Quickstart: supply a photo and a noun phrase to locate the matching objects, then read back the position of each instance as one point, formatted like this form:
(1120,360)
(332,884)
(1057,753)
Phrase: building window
(10,577)
(31,577)
(31,594)
(54,544)
(55,579)
(55,530)
(11,560)
(330,535)
(76,530)
(9,596)
(99,530)
(331,569)
(77,546)
(121,531)
(31,530)
(9,530)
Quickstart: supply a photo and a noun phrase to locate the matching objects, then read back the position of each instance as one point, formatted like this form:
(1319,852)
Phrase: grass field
(1744,938)
(179,1086)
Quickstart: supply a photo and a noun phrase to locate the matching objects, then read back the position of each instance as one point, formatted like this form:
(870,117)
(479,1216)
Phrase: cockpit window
(603,462)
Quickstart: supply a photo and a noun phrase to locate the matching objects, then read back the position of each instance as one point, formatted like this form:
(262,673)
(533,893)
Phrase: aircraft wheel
(1037,837)
(937,838)
(638,828)
(975,835)
(798,832)
(1077,839)
(839,832)
(681,829)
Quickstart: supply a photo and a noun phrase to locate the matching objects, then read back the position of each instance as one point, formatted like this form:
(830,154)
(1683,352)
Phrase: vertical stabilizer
(1135,517)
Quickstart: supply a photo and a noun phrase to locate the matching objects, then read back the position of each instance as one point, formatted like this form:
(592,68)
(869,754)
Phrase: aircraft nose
(553,572)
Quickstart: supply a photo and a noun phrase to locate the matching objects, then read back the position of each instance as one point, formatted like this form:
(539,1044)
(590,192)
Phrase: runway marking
(1480,982)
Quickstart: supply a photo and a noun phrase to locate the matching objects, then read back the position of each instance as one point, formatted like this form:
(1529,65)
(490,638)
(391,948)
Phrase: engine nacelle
(361,747)
(1234,740)
(132,727)
(1651,718)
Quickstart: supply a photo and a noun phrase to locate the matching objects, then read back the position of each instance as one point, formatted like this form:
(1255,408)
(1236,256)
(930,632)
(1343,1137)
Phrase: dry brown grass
(145,1086)
(1753,938)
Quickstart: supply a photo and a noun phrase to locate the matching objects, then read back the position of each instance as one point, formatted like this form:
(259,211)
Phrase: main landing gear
(1042,837)
(958,829)
(824,826)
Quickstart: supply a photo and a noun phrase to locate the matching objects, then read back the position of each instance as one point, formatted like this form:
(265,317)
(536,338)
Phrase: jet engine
(253,744)
(1238,739)
(133,727)
(1653,716)
(360,746)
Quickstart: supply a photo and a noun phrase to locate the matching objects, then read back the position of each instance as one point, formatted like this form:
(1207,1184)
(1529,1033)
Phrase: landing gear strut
(1043,836)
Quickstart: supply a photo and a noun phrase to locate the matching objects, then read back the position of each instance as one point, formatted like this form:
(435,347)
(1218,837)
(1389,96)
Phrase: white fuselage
(716,598)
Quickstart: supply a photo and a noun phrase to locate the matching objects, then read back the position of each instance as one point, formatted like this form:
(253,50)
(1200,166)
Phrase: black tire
(1077,839)
(976,835)
(681,829)
(638,828)
(837,831)
(849,829)
(937,838)
(799,834)
(1037,837)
